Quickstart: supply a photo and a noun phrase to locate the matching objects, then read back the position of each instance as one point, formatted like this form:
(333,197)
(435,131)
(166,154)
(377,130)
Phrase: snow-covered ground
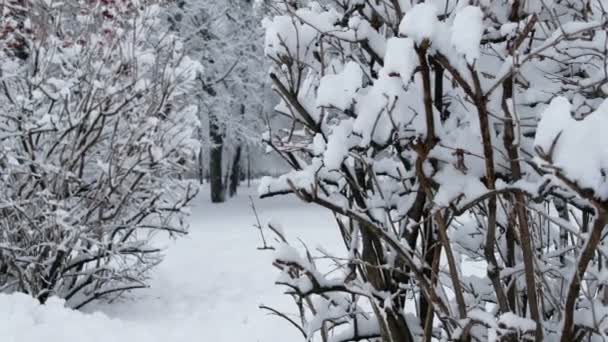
(208,288)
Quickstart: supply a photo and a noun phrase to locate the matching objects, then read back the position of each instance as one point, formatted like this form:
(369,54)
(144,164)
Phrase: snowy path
(212,281)
(208,288)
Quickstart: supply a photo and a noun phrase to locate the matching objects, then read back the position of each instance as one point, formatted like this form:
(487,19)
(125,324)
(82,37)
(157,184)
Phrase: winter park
(299,170)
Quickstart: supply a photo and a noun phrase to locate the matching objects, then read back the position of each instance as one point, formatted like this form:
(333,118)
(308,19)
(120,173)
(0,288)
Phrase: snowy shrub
(95,134)
(442,134)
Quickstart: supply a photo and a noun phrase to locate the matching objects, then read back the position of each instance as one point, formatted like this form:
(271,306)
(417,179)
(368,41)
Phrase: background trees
(226,38)
(440,134)
(96,134)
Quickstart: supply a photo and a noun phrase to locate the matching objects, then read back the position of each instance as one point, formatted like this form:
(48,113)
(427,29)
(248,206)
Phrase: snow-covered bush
(95,132)
(441,134)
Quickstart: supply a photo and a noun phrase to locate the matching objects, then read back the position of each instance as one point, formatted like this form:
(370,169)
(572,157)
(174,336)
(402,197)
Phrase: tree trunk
(215,160)
(248,167)
(201,166)
(235,175)
(201,161)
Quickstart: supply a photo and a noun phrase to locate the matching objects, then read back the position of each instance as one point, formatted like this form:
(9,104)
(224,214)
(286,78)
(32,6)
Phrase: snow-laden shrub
(95,135)
(442,133)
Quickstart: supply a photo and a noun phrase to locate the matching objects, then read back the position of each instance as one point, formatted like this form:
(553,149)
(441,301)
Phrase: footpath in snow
(208,288)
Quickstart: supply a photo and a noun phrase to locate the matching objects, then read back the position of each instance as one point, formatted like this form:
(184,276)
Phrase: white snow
(467,31)
(576,147)
(512,321)
(400,59)
(280,38)
(208,288)
(23,319)
(338,90)
(454,184)
(553,121)
(419,23)
(338,145)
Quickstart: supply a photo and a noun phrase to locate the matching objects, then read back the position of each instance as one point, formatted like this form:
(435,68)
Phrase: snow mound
(576,147)
(420,22)
(338,90)
(467,32)
(400,59)
(24,319)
